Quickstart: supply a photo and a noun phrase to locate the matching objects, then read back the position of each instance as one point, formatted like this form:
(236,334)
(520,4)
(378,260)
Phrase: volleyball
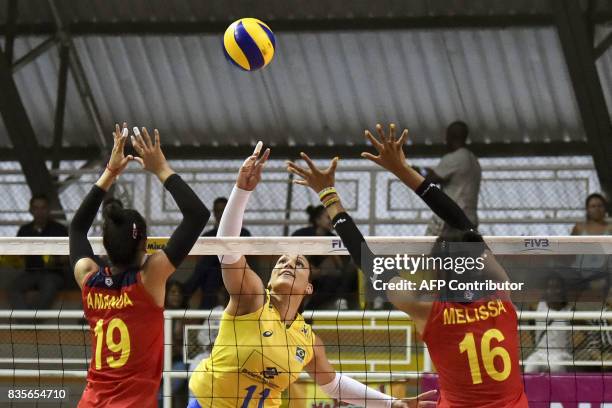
(249,44)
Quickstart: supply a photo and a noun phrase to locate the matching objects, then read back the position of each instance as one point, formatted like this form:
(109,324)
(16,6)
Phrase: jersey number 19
(122,347)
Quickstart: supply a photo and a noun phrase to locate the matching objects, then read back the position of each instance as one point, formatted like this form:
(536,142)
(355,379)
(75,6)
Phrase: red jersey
(127,341)
(475,349)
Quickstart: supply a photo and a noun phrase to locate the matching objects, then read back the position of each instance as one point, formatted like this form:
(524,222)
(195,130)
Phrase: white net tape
(500,245)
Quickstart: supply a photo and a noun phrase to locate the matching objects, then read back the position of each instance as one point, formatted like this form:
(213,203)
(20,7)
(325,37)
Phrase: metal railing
(541,194)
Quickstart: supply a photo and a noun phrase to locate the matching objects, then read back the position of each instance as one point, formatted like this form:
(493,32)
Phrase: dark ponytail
(123,232)
(314,212)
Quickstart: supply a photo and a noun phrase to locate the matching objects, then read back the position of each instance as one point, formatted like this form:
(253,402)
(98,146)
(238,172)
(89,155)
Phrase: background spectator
(334,277)
(593,269)
(459,175)
(207,273)
(595,223)
(551,345)
(42,273)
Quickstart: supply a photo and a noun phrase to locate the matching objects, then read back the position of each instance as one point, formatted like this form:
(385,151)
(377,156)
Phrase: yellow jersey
(254,359)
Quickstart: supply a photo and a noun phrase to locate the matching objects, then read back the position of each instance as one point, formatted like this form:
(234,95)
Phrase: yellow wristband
(331,201)
(327,191)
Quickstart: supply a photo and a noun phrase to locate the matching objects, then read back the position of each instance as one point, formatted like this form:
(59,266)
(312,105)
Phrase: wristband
(331,201)
(327,191)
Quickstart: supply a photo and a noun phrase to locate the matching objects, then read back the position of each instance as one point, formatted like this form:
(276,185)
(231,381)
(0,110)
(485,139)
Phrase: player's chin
(286,285)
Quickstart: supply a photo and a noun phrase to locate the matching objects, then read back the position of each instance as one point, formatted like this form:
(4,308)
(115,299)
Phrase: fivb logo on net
(534,243)
(337,245)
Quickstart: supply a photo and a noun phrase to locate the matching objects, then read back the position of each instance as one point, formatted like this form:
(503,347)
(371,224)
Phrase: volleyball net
(565,312)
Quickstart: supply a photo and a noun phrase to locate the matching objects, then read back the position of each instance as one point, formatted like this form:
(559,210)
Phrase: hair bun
(113,212)
(311,210)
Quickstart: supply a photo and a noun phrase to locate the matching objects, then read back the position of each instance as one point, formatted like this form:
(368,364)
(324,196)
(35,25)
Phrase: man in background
(459,175)
(42,273)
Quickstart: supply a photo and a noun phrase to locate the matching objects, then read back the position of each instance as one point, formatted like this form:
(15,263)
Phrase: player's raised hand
(151,157)
(312,176)
(424,400)
(390,150)
(118,161)
(250,171)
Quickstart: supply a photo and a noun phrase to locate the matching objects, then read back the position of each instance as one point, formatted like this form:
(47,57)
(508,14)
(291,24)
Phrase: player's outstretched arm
(81,253)
(242,283)
(391,157)
(322,181)
(346,389)
(160,265)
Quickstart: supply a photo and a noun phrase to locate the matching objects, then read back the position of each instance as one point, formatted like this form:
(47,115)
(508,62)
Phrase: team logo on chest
(270,372)
(108,281)
(300,353)
(267,333)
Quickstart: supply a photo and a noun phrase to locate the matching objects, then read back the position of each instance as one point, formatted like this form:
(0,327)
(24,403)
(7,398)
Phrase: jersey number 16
(488,355)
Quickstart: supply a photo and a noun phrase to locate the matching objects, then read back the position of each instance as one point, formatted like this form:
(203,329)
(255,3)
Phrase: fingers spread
(402,138)
(377,145)
(122,140)
(147,138)
(141,143)
(262,162)
(117,132)
(381,133)
(137,145)
(301,182)
(371,157)
(333,165)
(392,132)
(265,157)
(156,134)
(258,148)
(295,169)
(309,162)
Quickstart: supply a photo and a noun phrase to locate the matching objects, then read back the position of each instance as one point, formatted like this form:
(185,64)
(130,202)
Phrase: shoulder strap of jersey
(91,277)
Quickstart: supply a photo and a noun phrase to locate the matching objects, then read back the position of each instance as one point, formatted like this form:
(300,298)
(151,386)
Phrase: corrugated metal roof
(510,85)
